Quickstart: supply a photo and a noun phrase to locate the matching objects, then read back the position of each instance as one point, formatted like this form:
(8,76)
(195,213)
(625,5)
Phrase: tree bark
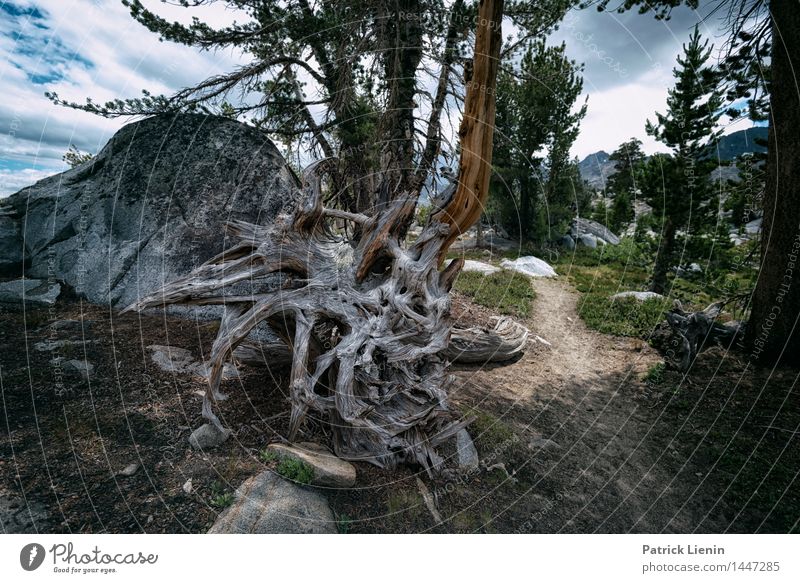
(664,258)
(772,330)
(477,127)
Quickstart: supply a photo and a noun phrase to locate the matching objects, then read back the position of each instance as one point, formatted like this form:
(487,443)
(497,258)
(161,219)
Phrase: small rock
(467,454)
(150,519)
(479,267)
(171,358)
(268,504)
(129,470)
(638,295)
(207,436)
(49,345)
(187,486)
(538,443)
(531,266)
(329,470)
(180,361)
(203,371)
(82,368)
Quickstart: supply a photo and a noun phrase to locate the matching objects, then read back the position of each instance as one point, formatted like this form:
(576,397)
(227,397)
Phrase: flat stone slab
(20,516)
(479,267)
(268,504)
(329,470)
(530,266)
(180,361)
(36,291)
(638,295)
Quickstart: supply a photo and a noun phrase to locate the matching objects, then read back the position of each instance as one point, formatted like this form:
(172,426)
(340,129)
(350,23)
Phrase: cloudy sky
(81,48)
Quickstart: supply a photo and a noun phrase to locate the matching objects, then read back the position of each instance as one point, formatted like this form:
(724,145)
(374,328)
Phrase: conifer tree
(688,128)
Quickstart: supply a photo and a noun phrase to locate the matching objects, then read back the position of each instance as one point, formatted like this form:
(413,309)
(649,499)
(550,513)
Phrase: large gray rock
(149,207)
(10,245)
(268,504)
(585,226)
(19,515)
(588,240)
(329,470)
(31,291)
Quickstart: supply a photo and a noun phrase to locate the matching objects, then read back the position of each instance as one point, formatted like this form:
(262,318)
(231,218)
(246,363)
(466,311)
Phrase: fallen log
(506,341)
(696,330)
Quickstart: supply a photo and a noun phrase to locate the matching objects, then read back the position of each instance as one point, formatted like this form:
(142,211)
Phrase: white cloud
(88,49)
(12,181)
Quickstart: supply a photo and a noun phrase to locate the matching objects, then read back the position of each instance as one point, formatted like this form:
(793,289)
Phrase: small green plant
(343,523)
(655,374)
(267,456)
(75,157)
(222,500)
(295,470)
(423,212)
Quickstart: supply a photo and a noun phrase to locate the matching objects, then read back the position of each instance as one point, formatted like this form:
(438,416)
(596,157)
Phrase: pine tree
(761,67)
(624,183)
(694,106)
(535,185)
(359,61)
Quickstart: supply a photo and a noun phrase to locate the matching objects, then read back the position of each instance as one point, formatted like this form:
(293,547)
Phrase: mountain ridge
(596,168)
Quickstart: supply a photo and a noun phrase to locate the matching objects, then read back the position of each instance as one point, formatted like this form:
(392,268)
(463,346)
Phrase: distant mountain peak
(596,168)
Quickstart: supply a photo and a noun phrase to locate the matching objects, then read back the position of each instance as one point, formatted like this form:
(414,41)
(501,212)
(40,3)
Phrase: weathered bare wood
(477,127)
(506,341)
(367,333)
(695,330)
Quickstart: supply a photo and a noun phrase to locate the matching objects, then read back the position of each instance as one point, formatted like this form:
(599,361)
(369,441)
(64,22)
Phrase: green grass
(622,317)
(600,273)
(295,470)
(505,291)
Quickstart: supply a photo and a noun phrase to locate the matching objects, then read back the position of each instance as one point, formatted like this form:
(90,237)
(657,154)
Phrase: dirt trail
(593,462)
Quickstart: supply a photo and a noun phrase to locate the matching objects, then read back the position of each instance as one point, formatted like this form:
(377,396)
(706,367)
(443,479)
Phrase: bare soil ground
(570,437)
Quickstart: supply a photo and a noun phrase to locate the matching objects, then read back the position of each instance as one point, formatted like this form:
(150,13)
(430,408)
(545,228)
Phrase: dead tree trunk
(367,326)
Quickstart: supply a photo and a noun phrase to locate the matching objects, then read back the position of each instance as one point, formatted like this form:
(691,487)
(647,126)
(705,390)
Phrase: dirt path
(594,463)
